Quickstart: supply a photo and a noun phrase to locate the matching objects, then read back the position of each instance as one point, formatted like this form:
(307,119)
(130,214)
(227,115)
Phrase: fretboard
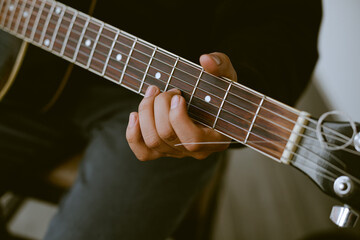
(228,107)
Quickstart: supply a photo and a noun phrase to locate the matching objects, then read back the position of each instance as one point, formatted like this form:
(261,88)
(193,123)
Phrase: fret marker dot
(11,8)
(25,14)
(207,99)
(158,75)
(118,57)
(57,10)
(47,42)
(87,42)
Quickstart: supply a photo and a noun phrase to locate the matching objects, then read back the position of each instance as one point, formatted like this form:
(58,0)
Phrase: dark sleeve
(272,44)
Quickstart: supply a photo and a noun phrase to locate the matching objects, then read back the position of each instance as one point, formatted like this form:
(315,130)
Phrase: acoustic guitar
(327,152)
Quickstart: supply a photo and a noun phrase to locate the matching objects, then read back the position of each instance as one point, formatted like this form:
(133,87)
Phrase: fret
(185,77)
(222,104)
(66,40)
(6,10)
(254,119)
(35,26)
(60,38)
(273,125)
(195,87)
(137,65)
(14,8)
(160,68)
(102,49)
(171,74)
(95,44)
(118,57)
(45,28)
(25,18)
(20,16)
(41,23)
(110,51)
(2,4)
(88,42)
(237,112)
(146,71)
(81,38)
(127,60)
(29,24)
(59,9)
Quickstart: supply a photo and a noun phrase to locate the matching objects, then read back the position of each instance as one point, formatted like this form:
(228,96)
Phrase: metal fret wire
(267,140)
(45,27)
(206,91)
(12,15)
(253,103)
(95,45)
(19,16)
(244,99)
(254,119)
(245,129)
(37,20)
(146,70)
(6,9)
(305,126)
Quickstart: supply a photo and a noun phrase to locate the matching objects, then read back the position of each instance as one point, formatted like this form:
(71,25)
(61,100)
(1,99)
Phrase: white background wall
(265,200)
(338,71)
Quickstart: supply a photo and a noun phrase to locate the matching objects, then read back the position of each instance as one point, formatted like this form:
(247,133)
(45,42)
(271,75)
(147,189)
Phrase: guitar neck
(228,107)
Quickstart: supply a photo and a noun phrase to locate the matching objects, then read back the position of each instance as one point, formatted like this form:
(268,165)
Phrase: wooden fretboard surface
(230,108)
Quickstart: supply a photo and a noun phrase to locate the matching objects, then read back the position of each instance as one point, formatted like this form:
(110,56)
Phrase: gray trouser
(115,196)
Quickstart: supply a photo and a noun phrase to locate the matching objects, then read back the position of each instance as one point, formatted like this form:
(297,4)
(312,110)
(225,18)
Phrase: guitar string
(267,141)
(265,129)
(303,165)
(96,32)
(144,63)
(295,153)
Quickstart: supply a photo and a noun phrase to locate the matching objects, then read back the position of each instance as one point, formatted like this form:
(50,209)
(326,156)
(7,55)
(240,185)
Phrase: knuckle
(194,148)
(168,135)
(153,142)
(161,97)
(130,138)
(143,105)
(142,157)
(201,155)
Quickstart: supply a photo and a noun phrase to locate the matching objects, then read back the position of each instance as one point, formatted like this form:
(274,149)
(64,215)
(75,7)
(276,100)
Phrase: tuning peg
(357,142)
(343,216)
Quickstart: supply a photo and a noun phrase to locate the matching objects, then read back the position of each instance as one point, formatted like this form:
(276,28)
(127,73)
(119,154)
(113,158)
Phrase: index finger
(189,132)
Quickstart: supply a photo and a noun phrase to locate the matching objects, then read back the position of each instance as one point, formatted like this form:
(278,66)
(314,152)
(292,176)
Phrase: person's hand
(162,121)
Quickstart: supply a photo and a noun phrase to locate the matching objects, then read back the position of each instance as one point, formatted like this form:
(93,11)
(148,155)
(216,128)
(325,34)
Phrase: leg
(118,197)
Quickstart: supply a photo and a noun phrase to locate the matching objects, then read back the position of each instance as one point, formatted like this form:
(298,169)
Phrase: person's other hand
(162,121)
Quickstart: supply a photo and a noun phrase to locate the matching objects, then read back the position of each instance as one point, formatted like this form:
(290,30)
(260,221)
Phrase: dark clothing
(272,46)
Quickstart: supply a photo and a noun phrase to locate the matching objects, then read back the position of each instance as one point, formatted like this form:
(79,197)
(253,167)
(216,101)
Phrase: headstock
(336,172)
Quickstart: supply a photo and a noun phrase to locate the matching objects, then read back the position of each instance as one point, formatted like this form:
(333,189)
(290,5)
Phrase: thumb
(218,64)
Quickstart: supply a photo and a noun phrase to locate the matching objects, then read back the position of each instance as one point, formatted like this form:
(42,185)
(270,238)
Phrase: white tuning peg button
(343,216)
(357,142)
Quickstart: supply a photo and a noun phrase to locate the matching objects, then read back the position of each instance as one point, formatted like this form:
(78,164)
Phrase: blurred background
(261,199)
(266,200)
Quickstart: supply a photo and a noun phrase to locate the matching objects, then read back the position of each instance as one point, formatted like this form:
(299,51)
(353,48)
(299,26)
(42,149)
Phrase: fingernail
(132,120)
(216,59)
(174,90)
(150,91)
(175,101)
